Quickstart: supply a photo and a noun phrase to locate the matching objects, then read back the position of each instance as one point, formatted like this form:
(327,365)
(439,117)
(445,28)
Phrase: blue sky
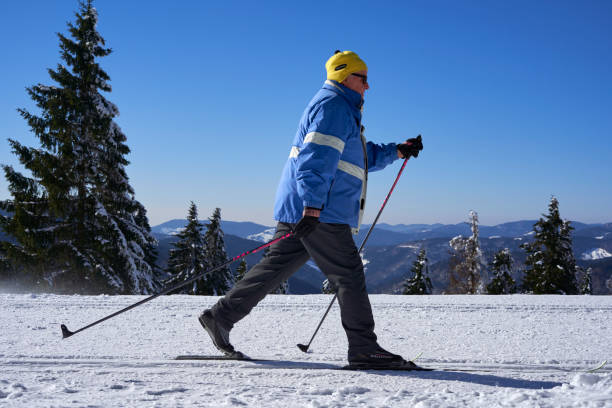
(513,99)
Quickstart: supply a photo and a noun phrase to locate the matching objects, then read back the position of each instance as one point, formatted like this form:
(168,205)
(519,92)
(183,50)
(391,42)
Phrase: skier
(321,198)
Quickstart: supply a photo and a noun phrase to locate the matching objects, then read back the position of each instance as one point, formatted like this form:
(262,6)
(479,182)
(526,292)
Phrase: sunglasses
(364,78)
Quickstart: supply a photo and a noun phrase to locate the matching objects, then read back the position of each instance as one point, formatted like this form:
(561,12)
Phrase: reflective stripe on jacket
(328,162)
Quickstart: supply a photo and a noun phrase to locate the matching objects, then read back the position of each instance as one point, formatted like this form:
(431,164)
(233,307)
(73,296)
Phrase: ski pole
(304,347)
(67,333)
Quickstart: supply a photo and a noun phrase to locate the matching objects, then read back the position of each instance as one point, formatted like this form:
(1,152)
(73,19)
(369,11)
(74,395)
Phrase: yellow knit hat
(343,64)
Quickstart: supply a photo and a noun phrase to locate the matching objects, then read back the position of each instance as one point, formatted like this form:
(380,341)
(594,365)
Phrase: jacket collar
(354,98)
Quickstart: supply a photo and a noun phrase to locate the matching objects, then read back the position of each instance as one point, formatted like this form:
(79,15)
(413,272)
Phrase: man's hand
(410,147)
(308,223)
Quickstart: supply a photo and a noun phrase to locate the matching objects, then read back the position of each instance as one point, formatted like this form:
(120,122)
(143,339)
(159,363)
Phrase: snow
(264,236)
(525,351)
(364,261)
(411,246)
(171,231)
(595,253)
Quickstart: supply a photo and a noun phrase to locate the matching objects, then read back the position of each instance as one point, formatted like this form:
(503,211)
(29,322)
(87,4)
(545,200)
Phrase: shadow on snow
(447,375)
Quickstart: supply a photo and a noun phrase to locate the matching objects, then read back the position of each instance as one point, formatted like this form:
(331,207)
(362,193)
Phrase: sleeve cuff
(393,152)
(313,204)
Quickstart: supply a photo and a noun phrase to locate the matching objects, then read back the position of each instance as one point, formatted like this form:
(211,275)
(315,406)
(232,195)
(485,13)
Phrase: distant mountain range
(508,229)
(240,229)
(391,250)
(385,234)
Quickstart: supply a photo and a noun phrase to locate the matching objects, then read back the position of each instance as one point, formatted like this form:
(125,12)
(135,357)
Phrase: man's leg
(332,247)
(283,260)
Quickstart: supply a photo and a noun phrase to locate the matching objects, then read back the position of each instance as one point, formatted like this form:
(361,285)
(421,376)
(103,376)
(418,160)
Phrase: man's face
(358,82)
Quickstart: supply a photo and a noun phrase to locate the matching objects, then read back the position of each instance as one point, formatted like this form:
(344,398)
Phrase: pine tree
(586,286)
(550,264)
(221,280)
(419,283)
(502,282)
(77,224)
(328,288)
(283,288)
(241,270)
(466,261)
(188,257)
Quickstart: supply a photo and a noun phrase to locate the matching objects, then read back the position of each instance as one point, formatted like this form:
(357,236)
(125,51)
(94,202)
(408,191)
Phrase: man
(321,197)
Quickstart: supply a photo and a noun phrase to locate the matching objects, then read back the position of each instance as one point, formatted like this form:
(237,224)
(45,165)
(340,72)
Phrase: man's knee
(354,280)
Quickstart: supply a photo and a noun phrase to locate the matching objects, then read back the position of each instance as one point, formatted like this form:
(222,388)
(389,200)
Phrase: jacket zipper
(364,183)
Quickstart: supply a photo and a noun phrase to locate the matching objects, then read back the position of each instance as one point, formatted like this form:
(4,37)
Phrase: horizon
(512,100)
(392,225)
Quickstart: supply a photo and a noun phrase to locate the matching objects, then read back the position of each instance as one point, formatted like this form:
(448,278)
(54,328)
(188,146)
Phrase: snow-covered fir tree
(586,285)
(465,264)
(76,222)
(188,257)
(221,280)
(419,283)
(550,264)
(502,282)
(328,288)
(241,270)
(283,288)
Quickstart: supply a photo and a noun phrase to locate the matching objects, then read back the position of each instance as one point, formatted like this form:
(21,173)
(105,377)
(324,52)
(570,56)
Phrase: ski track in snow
(522,351)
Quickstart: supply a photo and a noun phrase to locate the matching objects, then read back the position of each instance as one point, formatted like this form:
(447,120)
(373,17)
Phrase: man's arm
(382,155)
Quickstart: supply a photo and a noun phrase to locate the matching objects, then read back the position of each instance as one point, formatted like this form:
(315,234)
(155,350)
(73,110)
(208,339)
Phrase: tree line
(550,267)
(196,252)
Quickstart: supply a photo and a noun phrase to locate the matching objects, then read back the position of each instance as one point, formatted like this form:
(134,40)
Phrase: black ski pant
(332,248)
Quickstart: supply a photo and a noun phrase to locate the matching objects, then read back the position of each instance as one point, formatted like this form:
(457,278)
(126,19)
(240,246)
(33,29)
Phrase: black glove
(307,225)
(411,147)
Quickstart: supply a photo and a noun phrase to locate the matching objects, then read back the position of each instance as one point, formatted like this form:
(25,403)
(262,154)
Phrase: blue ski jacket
(329,160)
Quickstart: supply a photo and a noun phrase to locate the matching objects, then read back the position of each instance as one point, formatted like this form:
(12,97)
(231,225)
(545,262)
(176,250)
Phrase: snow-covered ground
(524,351)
